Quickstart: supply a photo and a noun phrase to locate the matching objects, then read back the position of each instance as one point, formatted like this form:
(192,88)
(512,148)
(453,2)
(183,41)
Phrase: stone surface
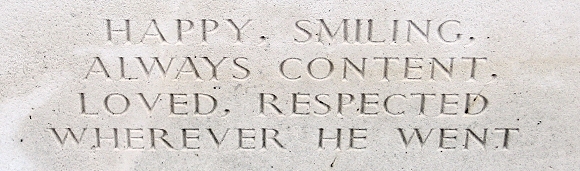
(246,85)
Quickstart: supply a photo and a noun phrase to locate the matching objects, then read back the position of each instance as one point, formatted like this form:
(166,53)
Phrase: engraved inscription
(320,99)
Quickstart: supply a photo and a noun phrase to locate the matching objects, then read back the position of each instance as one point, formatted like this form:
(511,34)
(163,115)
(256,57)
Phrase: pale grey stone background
(532,47)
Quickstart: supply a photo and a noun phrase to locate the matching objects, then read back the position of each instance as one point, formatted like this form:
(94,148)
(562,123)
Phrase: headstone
(289,85)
